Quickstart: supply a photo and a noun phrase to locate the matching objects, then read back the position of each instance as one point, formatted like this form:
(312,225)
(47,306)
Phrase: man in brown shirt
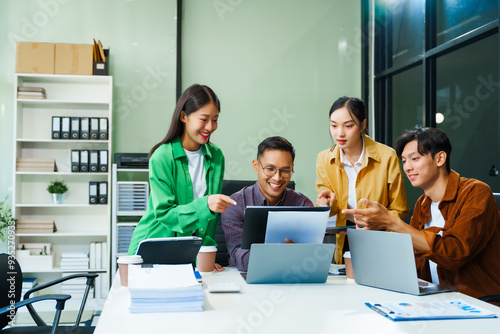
(455,226)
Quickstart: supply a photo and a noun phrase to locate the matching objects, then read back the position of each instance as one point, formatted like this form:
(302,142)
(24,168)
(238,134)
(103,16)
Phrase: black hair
(193,99)
(355,107)
(429,140)
(275,143)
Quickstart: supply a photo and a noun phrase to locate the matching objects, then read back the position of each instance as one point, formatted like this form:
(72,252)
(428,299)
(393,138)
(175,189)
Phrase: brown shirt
(467,253)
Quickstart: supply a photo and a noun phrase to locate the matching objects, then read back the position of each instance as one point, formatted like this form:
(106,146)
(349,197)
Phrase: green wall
(277,66)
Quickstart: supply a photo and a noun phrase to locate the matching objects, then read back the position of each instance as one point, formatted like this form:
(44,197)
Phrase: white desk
(334,307)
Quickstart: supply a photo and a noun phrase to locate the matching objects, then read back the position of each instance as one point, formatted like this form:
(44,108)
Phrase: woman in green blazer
(185,174)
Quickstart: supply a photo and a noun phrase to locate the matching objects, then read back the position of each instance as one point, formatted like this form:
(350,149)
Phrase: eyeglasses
(271,171)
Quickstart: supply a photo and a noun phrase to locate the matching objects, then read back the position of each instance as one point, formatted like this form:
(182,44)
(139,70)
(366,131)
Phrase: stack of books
(98,255)
(35,226)
(164,288)
(28,284)
(74,261)
(75,287)
(31,93)
(36,165)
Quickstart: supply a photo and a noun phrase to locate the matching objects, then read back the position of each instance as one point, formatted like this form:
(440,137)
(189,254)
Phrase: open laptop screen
(255,224)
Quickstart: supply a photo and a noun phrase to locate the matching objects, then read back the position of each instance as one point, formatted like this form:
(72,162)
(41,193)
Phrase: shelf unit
(78,223)
(124,219)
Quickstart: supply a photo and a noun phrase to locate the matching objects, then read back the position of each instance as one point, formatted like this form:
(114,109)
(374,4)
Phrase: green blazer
(172,211)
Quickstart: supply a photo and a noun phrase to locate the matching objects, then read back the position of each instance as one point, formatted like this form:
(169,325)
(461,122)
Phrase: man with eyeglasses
(274,168)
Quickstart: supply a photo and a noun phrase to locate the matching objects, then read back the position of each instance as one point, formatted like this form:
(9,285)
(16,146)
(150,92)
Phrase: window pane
(402,30)
(456,17)
(407,111)
(467,97)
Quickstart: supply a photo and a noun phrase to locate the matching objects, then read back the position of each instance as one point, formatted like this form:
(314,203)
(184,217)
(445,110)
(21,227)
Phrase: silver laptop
(386,260)
(289,263)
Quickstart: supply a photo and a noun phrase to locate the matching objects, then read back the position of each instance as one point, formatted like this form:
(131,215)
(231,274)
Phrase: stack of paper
(31,93)
(36,165)
(75,287)
(35,226)
(164,288)
(28,284)
(74,261)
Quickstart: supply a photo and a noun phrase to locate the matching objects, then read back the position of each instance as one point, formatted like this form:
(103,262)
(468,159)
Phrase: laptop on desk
(289,263)
(386,260)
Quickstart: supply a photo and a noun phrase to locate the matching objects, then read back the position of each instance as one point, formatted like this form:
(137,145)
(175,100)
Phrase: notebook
(386,260)
(289,263)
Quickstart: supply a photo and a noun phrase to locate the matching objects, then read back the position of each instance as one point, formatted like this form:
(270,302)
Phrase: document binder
(103,193)
(103,161)
(75,161)
(103,129)
(75,128)
(84,161)
(94,161)
(92,192)
(65,131)
(94,128)
(84,128)
(56,127)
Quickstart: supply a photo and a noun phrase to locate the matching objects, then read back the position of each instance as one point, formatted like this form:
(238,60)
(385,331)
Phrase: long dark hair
(194,98)
(355,107)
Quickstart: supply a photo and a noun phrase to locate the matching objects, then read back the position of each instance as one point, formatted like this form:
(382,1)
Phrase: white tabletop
(334,307)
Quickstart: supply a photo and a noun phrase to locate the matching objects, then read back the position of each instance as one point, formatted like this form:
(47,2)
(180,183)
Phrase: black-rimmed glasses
(271,171)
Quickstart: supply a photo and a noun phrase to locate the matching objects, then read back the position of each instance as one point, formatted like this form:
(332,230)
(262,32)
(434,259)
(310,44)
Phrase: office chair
(229,187)
(10,295)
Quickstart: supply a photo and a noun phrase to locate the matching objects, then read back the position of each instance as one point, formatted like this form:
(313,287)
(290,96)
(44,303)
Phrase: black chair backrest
(11,282)
(229,187)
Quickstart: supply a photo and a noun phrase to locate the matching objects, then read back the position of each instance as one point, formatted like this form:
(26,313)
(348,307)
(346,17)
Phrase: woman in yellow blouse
(356,167)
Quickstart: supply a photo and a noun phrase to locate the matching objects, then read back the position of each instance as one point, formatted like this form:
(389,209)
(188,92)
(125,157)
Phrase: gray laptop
(289,263)
(386,260)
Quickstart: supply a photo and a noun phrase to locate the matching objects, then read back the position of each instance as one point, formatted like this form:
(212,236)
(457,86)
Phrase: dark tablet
(255,224)
(178,250)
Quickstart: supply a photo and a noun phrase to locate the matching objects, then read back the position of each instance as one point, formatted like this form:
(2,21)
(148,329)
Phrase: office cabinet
(130,196)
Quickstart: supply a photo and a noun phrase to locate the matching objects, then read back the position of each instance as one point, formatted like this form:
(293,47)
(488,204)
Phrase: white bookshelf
(78,223)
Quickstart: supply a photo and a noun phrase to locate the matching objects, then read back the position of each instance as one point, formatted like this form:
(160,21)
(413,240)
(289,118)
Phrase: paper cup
(123,262)
(348,265)
(206,258)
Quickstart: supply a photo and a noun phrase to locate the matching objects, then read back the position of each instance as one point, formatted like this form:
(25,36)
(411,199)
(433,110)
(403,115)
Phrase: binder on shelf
(94,128)
(92,255)
(98,255)
(56,127)
(103,193)
(103,128)
(103,161)
(94,161)
(92,192)
(75,161)
(84,128)
(84,161)
(65,131)
(75,128)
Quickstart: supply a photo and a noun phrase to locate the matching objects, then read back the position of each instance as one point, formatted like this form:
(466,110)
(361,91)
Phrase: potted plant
(57,188)
(6,219)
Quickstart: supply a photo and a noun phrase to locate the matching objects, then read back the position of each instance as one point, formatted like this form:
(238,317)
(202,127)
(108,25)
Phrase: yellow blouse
(380,179)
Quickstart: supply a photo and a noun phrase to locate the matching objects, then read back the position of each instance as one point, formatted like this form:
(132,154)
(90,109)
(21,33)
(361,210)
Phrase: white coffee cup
(206,258)
(349,273)
(123,263)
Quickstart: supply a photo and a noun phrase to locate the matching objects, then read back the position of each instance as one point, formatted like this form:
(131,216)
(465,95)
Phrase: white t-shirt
(437,220)
(197,172)
(352,175)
